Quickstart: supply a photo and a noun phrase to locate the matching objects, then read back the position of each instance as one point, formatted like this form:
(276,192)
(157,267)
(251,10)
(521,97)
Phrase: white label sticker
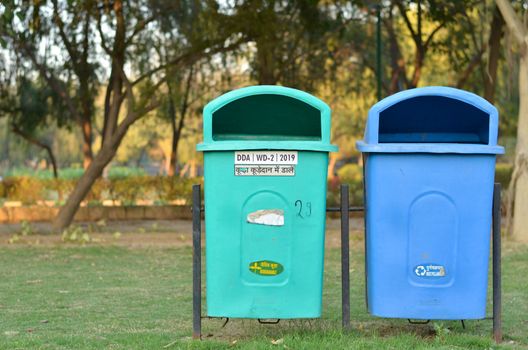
(430,270)
(265,170)
(266,157)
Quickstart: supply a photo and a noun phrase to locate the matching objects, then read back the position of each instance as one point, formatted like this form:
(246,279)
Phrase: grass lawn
(106,296)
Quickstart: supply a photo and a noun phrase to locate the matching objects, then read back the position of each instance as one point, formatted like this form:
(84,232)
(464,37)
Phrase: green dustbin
(265,170)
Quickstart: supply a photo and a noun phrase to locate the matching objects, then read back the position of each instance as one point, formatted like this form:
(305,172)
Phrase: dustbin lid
(266,117)
(432,119)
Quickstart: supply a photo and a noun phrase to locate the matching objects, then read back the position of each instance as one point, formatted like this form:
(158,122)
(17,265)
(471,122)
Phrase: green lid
(266,117)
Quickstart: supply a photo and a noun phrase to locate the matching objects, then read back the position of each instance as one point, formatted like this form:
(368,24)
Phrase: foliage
(119,189)
(26,229)
(503,173)
(327,47)
(129,185)
(171,188)
(352,175)
(75,234)
(27,190)
(79,71)
(303,44)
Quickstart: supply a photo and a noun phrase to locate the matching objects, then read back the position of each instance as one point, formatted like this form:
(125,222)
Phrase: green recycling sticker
(266,268)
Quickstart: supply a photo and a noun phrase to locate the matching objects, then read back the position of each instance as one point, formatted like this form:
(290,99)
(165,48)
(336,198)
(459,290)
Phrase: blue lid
(432,120)
(266,117)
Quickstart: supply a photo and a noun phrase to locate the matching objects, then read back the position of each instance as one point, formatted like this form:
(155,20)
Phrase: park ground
(128,286)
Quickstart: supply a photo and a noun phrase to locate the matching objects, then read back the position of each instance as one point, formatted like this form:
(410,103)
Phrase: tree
(31,113)
(293,42)
(177,104)
(472,45)
(72,74)
(29,107)
(423,21)
(119,34)
(179,84)
(131,37)
(518,189)
(490,73)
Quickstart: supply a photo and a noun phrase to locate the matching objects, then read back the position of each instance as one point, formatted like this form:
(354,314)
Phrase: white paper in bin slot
(269,217)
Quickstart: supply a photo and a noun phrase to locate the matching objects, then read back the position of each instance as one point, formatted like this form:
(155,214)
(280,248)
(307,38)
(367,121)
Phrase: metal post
(497,275)
(345,263)
(197,261)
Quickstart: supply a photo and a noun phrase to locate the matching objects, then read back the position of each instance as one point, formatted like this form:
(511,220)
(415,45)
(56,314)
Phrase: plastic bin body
(256,270)
(428,205)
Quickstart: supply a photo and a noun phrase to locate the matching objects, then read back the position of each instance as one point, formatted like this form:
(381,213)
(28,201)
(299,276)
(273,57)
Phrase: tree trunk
(518,190)
(86,127)
(519,182)
(40,144)
(184,170)
(83,186)
(331,165)
(418,65)
(174,144)
(472,65)
(266,61)
(398,72)
(7,155)
(496,33)
(177,129)
(192,169)
(96,168)
(53,161)
(140,158)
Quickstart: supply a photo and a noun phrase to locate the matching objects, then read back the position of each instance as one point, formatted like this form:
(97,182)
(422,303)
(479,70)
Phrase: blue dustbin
(429,163)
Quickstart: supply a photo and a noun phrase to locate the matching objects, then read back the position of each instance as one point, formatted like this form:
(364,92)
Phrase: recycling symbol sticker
(430,270)
(420,270)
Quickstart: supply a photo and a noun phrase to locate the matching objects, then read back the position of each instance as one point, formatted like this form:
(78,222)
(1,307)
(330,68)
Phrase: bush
(129,189)
(503,173)
(352,175)
(126,190)
(25,189)
(172,188)
(163,189)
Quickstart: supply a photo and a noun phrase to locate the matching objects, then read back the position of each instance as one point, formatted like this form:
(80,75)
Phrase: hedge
(127,190)
(163,189)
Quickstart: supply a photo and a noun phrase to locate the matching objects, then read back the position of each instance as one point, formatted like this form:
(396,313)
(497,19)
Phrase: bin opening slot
(433,119)
(269,217)
(267,117)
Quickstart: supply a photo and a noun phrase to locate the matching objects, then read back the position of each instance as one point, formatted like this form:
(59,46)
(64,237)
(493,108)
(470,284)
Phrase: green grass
(122,298)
